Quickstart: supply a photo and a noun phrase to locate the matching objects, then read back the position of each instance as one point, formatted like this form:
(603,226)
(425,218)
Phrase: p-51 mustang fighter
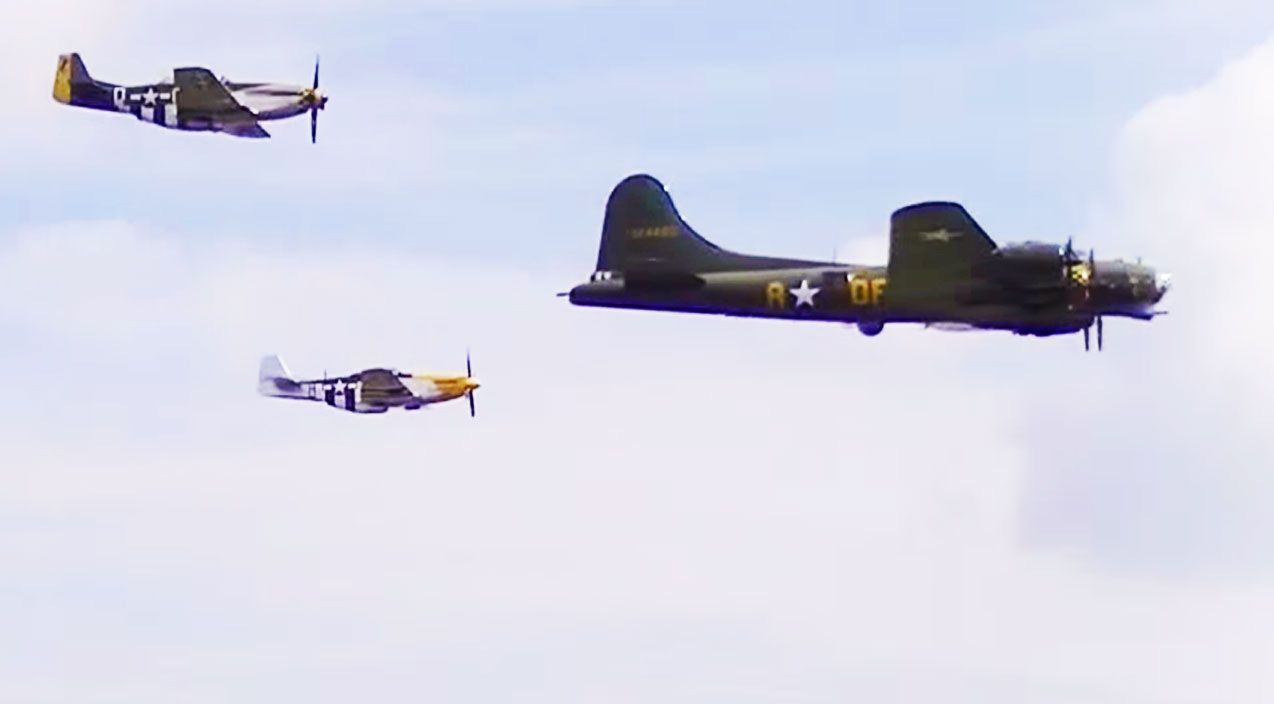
(192,99)
(370,391)
(943,271)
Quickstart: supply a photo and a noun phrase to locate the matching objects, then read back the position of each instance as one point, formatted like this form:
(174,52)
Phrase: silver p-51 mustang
(368,391)
(192,99)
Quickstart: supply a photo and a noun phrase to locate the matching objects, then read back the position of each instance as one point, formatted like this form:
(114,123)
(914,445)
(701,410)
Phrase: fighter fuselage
(194,107)
(370,391)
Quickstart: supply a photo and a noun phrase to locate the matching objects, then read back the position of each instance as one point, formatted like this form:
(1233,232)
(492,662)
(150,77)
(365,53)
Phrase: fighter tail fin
(71,73)
(74,86)
(274,379)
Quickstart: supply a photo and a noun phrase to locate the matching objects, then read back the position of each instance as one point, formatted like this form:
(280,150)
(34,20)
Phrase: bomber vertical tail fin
(644,233)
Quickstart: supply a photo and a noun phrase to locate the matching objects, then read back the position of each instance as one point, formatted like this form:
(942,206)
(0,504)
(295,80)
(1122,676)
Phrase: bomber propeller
(1092,280)
(1085,284)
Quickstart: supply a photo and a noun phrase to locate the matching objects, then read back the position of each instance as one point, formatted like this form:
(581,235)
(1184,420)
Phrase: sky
(648,506)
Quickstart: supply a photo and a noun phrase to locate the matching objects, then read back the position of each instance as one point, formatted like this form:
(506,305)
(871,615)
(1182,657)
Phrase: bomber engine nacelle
(871,328)
(1029,265)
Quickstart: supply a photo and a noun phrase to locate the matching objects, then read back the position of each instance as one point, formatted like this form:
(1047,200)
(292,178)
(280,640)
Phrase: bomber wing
(933,249)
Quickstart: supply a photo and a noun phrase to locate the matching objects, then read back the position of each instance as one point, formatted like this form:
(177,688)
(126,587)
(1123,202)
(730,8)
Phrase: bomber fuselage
(943,270)
(860,294)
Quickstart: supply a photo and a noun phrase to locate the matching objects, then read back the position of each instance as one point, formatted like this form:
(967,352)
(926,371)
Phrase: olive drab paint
(943,270)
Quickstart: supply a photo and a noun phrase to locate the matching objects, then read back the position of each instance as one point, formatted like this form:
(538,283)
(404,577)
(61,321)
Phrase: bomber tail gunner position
(192,99)
(943,271)
(369,391)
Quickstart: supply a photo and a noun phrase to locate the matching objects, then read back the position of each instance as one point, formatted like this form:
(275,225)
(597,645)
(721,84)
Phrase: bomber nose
(1163,282)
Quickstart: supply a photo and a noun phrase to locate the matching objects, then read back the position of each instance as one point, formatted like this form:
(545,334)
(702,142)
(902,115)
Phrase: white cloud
(648,506)
(1162,455)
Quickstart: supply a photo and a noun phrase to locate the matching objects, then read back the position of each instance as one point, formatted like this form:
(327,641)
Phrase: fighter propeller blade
(1092,280)
(318,103)
(468,366)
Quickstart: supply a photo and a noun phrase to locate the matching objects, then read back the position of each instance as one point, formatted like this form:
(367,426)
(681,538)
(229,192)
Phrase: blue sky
(649,506)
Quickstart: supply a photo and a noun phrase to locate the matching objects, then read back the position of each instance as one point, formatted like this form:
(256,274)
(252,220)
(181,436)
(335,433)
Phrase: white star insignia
(804,294)
(150,96)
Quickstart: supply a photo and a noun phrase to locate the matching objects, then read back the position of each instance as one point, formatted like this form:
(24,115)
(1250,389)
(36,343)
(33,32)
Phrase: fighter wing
(252,130)
(200,93)
(382,385)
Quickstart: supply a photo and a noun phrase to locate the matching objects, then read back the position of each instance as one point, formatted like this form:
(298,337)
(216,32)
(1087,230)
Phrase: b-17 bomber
(943,271)
(192,99)
(368,391)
